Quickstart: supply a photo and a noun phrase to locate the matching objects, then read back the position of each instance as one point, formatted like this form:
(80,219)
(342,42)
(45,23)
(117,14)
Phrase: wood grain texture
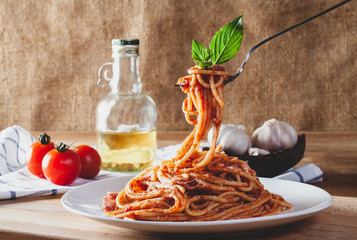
(27,219)
(50,52)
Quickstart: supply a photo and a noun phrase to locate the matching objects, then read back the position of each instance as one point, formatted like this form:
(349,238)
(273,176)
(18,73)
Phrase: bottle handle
(105,74)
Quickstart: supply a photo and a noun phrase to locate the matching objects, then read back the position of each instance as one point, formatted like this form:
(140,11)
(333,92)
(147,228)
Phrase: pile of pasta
(197,185)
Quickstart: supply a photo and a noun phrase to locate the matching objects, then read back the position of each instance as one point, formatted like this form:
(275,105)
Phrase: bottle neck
(126,77)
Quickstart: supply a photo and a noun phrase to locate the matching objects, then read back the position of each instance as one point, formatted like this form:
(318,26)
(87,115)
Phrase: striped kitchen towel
(22,183)
(14,141)
(308,173)
(16,180)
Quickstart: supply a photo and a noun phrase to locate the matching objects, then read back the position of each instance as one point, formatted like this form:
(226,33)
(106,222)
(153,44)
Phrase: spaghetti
(197,185)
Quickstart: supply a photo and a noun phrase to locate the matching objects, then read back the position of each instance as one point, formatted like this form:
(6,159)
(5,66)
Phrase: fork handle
(278,34)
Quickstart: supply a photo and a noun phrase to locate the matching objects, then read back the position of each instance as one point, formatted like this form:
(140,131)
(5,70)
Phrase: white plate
(307,199)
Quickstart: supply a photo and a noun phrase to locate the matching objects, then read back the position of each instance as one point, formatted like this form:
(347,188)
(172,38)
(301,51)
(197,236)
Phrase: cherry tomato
(35,154)
(90,161)
(61,165)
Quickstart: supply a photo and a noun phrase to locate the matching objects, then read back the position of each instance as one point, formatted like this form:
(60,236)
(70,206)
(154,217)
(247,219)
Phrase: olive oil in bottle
(126,118)
(133,151)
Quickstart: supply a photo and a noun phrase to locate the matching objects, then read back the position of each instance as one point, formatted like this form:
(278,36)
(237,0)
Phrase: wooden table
(334,153)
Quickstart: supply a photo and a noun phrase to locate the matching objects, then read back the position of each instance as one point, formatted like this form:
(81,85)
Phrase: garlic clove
(257,152)
(274,136)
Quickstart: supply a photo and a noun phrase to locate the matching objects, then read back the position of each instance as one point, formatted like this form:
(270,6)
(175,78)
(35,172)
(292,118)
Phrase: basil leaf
(200,54)
(226,42)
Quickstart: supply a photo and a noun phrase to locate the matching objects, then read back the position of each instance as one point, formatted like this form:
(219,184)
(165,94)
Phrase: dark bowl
(273,164)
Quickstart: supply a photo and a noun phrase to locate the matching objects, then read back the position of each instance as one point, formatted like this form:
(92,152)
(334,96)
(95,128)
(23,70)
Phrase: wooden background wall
(51,50)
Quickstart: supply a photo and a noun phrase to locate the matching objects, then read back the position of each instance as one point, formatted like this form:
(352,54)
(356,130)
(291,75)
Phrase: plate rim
(298,215)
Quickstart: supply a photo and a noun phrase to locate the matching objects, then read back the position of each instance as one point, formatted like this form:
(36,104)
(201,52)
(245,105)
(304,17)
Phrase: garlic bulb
(257,152)
(274,135)
(232,138)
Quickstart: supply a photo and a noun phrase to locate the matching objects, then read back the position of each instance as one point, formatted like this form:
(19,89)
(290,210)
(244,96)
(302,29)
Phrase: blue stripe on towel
(9,183)
(18,137)
(301,178)
(315,178)
(17,145)
(12,140)
(51,192)
(26,175)
(10,167)
(3,147)
(3,156)
(12,194)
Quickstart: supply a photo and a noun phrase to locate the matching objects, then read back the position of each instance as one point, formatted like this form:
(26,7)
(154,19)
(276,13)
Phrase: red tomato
(35,154)
(61,165)
(90,161)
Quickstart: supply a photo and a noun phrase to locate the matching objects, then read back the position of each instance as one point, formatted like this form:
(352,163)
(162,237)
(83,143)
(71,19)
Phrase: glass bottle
(126,118)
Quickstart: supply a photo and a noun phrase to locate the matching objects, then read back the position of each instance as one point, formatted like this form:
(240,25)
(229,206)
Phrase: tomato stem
(44,139)
(62,147)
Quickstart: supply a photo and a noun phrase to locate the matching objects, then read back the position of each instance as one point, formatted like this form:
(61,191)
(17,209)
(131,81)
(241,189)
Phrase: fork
(278,34)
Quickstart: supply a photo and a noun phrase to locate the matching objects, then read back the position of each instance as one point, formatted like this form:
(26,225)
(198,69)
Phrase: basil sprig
(223,47)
